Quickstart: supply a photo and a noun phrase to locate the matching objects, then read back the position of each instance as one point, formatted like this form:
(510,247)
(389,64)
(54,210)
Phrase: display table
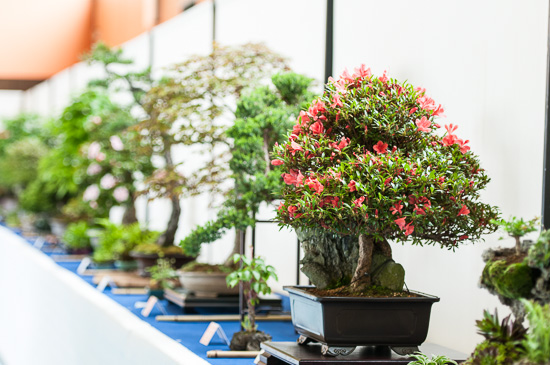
(48,315)
(283,353)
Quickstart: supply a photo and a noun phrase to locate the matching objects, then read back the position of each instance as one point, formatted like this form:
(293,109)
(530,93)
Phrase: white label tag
(149,306)
(39,243)
(210,331)
(84,264)
(105,281)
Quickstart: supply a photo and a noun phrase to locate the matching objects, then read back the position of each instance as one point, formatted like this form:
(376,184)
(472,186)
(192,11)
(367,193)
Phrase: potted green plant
(263,116)
(76,239)
(503,344)
(131,236)
(365,165)
(163,276)
(253,276)
(507,272)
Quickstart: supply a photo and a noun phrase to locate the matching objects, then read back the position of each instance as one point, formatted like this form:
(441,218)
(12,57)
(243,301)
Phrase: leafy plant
(365,160)
(263,117)
(253,275)
(19,164)
(131,236)
(76,236)
(537,340)
(503,341)
(162,274)
(422,359)
(517,228)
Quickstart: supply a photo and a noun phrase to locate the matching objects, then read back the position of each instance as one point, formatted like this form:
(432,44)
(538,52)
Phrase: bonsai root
(248,341)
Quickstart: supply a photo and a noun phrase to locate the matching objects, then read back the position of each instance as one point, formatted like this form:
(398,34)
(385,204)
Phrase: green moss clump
(493,353)
(509,280)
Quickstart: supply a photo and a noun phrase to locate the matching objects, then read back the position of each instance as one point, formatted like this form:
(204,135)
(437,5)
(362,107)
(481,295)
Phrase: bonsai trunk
(236,249)
(129,216)
(363,273)
(167,238)
(251,310)
(518,244)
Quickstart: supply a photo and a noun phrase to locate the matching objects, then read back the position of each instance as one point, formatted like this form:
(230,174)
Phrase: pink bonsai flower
(91,193)
(121,194)
(108,182)
(116,143)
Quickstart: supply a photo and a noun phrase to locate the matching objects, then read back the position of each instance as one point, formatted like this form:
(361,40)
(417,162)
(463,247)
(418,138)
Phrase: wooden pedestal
(282,353)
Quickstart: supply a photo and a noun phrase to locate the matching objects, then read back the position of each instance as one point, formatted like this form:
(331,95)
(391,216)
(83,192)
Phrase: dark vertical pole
(253,241)
(241,293)
(546,171)
(297,262)
(329,43)
(213,21)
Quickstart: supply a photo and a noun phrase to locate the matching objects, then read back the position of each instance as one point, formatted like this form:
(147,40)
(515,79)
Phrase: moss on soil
(370,292)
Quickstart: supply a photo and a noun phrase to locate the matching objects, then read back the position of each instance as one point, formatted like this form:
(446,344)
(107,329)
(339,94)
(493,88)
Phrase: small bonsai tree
(263,117)
(253,275)
(162,275)
(517,228)
(365,161)
(76,237)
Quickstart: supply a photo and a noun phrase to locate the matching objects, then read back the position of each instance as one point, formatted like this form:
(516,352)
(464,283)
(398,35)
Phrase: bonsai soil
(371,292)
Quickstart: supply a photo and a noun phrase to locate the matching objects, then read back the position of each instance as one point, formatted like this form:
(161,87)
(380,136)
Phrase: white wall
(484,61)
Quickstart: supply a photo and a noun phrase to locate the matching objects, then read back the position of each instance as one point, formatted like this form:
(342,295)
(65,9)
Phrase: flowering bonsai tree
(367,160)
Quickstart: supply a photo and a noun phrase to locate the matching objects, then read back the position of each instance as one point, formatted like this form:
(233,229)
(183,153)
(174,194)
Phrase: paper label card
(104,282)
(83,266)
(209,333)
(39,243)
(149,306)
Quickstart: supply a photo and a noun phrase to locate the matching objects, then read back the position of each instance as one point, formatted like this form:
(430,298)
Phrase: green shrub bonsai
(517,228)
(263,117)
(76,236)
(253,275)
(162,275)
(365,163)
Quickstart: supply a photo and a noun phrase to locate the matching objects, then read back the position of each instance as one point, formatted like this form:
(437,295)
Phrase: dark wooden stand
(189,302)
(283,353)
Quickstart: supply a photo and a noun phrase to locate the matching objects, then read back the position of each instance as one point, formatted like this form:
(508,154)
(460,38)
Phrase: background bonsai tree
(517,228)
(23,141)
(365,160)
(162,275)
(253,274)
(186,108)
(94,164)
(263,117)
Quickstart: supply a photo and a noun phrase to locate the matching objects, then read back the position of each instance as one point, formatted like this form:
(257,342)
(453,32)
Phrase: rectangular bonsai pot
(361,321)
